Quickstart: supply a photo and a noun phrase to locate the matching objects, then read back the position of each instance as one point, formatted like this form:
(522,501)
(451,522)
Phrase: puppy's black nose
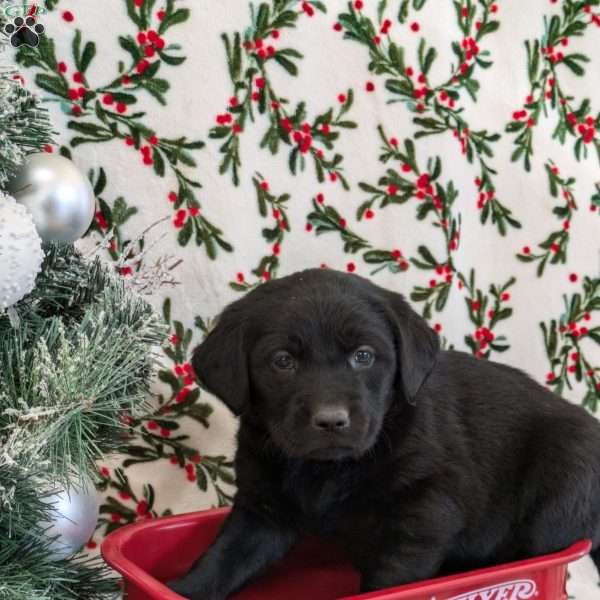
(331,419)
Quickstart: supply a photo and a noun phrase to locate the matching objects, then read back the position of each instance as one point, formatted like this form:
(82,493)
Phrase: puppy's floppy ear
(220,361)
(417,344)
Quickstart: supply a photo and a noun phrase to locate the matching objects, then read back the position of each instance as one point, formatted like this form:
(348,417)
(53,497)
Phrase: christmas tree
(76,358)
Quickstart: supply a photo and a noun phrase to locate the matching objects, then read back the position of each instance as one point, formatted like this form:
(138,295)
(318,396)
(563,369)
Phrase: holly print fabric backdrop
(446,149)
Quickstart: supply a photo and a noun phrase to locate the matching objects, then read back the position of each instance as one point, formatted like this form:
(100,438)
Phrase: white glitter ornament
(21,253)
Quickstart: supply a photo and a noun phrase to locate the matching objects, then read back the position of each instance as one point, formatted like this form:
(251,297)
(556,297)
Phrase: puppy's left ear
(416,343)
(220,361)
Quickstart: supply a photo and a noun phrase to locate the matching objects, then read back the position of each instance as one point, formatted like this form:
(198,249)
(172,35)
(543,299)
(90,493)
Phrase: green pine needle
(82,357)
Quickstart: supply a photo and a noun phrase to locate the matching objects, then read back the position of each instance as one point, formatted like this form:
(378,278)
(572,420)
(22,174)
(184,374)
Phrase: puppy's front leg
(414,545)
(246,545)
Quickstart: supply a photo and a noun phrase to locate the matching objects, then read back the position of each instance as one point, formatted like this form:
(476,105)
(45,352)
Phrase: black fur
(448,463)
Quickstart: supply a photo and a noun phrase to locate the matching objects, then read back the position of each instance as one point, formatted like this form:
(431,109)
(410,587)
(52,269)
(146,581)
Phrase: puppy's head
(317,358)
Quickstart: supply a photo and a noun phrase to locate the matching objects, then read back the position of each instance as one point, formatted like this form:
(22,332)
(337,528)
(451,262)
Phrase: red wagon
(154,551)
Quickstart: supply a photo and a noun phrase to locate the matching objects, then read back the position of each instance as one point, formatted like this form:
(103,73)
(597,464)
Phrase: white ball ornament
(74,519)
(59,197)
(21,253)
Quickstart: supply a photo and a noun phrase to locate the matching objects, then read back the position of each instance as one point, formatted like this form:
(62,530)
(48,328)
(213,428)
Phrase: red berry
(62,67)
(370,86)
(369,214)
(573,277)
(337,26)
(141,508)
(351,267)
(68,16)
(414,27)
(108,99)
(160,15)
(358,5)
(121,107)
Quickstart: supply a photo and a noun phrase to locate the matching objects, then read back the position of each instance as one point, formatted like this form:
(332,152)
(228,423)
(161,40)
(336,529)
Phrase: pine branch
(24,126)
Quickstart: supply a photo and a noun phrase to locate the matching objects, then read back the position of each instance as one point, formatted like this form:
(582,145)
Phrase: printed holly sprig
(324,218)
(276,207)
(433,199)
(249,58)
(566,340)
(438,104)
(486,311)
(126,506)
(102,113)
(155,434)
(554,247)
(483,340)
(547,57)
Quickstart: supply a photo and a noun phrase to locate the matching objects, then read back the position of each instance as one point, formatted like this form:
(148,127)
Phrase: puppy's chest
(322,503)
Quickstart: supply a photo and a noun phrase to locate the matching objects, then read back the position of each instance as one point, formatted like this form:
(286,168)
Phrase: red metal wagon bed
(158,550)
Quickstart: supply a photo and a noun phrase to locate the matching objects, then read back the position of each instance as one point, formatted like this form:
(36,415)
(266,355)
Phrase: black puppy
(356,427)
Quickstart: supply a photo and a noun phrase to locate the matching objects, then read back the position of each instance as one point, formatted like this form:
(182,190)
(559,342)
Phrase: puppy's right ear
(220,362)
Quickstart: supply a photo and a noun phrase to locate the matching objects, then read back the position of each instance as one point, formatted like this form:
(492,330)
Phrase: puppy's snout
(331,419)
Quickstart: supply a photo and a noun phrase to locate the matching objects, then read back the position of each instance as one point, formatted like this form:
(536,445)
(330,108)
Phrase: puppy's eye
(284,361)
(363,357)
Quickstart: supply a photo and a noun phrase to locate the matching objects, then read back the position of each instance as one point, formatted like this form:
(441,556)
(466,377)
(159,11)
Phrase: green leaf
(53,84)
(89,52)
(179,16)
(129,45)
(186,233)
(287,64)
(427,256)
(571,62)
(100,184)
(172,60)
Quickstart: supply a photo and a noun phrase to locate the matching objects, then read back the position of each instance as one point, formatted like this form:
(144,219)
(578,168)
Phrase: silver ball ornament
(74,520)
(59,197)
(21,253)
